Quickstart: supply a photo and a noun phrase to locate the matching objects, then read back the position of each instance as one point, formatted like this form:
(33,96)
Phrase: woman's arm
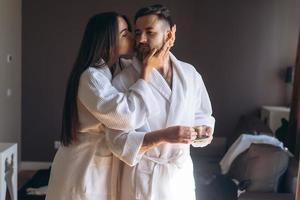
(114,109)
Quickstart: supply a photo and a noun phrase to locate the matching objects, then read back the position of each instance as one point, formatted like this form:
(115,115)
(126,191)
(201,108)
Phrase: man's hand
(179,134)
(207,131)
(174,134)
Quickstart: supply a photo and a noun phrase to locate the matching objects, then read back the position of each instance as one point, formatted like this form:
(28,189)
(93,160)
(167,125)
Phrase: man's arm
(131,146)
(203,114)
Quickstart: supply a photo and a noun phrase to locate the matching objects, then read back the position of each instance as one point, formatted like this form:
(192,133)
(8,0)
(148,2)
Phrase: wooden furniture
(8,170)
(272,115)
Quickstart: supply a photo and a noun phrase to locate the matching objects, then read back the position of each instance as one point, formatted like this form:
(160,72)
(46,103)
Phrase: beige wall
(10,73)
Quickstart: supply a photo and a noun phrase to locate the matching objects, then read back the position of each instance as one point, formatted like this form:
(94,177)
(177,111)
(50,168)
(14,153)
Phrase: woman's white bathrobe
(165,172)
(87,170)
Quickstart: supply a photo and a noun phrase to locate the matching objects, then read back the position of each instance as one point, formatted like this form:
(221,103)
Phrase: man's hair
(162,12)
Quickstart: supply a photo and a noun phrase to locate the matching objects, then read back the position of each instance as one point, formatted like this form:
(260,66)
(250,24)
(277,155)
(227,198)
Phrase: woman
(84,167)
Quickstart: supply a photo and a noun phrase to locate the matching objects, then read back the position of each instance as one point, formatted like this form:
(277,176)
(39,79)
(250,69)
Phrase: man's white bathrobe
(165,172)
(87,169)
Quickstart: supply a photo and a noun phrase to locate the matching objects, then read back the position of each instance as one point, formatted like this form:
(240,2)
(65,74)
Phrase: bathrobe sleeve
(126,145)
(203,114)
(114,109)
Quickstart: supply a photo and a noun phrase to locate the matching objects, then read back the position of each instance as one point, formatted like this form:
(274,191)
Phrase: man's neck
(166,71)
(165,67)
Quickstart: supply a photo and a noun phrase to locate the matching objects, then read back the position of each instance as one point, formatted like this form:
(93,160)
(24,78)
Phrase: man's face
(150,32)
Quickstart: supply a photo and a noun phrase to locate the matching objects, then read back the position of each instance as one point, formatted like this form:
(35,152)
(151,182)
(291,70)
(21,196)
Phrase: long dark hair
(99,42)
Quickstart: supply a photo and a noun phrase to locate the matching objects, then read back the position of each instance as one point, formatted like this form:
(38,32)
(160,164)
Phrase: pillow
(263,165)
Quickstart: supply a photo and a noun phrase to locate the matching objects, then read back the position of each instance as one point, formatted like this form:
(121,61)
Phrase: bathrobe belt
(115,179)
(163,171)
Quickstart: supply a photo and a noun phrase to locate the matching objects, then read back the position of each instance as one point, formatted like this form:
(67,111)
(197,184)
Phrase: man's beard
(142,51)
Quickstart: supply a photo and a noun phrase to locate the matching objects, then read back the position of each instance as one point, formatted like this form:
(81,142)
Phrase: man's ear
(171,32)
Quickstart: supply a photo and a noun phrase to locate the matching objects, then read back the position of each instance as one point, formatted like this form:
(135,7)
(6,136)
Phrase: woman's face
(126,41)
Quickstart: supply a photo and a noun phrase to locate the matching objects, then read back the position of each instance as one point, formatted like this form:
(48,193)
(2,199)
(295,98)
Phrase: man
(164,172)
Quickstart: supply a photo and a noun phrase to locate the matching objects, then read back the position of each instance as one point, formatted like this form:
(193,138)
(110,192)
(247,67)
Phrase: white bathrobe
(165,172)
(87,170)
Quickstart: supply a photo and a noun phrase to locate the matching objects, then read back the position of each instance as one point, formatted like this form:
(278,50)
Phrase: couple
(128,123)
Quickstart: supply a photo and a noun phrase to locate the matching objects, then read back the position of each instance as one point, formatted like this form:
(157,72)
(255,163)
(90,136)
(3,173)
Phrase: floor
(24,176)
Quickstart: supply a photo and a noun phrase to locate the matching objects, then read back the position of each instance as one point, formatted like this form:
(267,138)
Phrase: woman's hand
(156,58)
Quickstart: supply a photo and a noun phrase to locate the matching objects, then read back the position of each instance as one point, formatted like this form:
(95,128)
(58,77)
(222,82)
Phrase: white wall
(10,73)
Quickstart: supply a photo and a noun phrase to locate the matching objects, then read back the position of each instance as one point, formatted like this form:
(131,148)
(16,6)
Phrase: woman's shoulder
(93,73)
(127,77)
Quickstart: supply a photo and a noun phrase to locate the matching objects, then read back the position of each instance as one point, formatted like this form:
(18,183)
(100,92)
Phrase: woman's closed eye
(125,34)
